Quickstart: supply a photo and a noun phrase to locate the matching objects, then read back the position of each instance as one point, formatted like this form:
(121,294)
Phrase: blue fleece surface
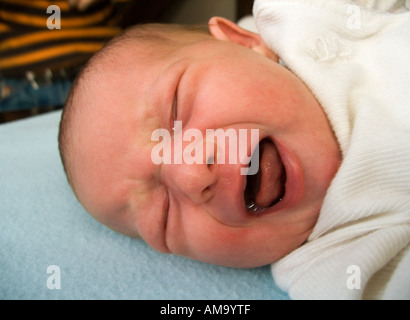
(42,225)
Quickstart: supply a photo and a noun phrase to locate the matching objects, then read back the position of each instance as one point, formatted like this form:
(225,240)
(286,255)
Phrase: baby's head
(225,78)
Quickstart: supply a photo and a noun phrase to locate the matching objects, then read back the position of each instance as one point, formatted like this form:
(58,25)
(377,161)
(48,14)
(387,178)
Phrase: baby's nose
(195,179)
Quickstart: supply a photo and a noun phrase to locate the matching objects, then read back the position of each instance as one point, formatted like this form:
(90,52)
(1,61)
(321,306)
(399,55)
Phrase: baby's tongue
(272,172)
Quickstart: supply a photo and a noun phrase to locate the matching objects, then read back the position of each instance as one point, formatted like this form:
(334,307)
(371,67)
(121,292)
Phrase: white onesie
(355,57)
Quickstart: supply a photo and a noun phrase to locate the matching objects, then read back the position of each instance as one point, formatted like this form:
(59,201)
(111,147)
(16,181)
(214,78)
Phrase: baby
(223,78)
(328,198)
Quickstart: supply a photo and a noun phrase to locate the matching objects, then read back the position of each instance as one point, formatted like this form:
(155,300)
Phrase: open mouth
(266,188)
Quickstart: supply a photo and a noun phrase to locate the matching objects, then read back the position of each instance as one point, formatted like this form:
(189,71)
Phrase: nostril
(207,194)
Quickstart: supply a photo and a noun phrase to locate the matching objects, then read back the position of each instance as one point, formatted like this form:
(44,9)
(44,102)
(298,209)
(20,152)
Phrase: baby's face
(200,210)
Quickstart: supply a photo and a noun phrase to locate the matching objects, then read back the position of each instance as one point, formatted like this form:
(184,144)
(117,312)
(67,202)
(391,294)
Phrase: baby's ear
(223,29)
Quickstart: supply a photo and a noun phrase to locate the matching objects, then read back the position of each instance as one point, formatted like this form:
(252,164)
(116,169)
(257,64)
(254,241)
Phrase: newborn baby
(329,205)
(225,78)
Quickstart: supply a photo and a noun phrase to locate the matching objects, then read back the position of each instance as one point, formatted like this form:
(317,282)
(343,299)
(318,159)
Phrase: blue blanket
(52,249)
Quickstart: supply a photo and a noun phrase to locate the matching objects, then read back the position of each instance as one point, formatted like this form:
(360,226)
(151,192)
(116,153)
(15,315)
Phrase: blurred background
(42,48)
